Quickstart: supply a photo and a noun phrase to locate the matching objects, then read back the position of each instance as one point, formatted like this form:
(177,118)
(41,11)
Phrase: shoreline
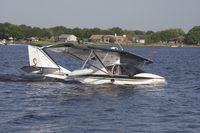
(114,44)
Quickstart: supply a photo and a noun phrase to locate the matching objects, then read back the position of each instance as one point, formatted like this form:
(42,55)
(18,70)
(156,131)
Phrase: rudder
(39,58)
(41,63)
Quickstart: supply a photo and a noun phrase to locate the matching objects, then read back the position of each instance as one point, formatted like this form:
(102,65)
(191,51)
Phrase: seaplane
(99,65)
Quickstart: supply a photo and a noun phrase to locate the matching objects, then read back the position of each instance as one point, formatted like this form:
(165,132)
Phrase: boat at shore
(3,42)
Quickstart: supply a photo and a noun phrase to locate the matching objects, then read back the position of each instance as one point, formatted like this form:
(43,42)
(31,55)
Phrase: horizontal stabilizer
(31,69)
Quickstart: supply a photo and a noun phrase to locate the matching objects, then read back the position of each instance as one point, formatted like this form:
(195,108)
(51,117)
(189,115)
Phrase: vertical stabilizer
(39,58)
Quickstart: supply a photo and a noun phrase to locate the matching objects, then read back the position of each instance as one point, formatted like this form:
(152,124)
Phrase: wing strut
(87,62)
(101,63)
(87,59)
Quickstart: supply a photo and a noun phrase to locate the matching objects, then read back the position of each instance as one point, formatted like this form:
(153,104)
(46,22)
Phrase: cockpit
(119,69)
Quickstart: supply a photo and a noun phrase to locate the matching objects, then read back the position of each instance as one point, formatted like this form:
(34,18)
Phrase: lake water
(29,104)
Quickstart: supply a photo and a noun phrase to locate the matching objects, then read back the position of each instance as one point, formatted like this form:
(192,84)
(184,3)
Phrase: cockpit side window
(124,70)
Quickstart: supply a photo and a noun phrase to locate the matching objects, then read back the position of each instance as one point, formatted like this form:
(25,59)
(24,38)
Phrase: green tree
(96,31)
(1,31)
(193,35)
(58,30)
(139,32)
(25,30)
(150,32)
(10,30)
(87,33)
(166,35)
(153,38)
(44,34)
(116,30)
(78,32)
(15,31)
(4,30)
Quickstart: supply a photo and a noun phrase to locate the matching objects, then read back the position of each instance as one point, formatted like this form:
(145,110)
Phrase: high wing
(83,51)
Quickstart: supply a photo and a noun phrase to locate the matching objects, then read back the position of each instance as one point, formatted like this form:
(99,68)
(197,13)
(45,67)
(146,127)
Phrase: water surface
(29,103)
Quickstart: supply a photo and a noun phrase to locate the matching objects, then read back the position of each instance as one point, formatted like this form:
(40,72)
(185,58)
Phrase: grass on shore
(48,42)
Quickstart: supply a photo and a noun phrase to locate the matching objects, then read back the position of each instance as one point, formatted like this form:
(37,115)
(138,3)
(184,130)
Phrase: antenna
(120,46)
(119,43)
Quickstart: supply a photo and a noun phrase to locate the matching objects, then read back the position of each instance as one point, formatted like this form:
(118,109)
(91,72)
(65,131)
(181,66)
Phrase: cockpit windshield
(125,70)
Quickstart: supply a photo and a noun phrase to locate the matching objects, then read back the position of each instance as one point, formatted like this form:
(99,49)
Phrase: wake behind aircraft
(100,65)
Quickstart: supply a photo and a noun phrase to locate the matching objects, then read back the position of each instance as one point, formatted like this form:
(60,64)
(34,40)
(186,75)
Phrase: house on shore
(96,38)
(66,38)
(178,39)
(139,39)
(108,39)
(121,39)
(32,39)
(102,38)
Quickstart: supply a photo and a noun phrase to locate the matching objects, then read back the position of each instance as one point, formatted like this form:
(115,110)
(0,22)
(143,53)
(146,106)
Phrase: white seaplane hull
(140,79)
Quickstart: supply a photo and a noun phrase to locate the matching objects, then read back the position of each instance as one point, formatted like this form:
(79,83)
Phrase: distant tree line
(22,32)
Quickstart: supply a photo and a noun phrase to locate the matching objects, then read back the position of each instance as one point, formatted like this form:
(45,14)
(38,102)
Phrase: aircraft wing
(126,57)
(82,52)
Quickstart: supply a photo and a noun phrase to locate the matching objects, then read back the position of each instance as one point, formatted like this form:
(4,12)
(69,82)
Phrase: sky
(143,15)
